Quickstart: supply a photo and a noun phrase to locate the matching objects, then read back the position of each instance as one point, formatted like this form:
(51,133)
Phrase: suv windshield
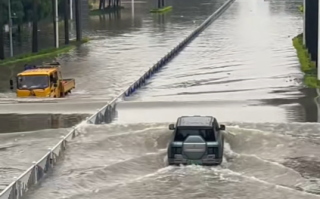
(33,82)
(206,134)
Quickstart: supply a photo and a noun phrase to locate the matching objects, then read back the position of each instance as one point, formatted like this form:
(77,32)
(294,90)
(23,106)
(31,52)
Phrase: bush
(307,66)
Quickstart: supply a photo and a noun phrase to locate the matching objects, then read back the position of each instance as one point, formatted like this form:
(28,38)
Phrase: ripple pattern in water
(128,161)
(123,47)
(247,54)
(117,55)
(111,64)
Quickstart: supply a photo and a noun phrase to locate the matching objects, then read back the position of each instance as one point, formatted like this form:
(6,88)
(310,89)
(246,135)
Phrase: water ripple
(245,55)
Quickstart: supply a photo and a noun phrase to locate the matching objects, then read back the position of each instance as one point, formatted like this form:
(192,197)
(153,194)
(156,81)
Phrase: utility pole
(1,34)
(304,23)
(71,10)
(318,57)
(66,21)
(10,28)
(78,20)
(132,9)
(35,27)
(55,23)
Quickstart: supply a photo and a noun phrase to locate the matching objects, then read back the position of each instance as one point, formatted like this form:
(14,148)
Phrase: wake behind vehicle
(196,140)
(42,81)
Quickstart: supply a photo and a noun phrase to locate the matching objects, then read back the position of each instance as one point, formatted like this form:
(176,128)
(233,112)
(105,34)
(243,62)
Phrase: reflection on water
(125,46)
(242,68)
(246,55)
(230,61)
(20,123)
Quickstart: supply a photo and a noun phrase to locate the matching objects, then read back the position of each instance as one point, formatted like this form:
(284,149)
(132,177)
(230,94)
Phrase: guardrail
(33,175)
(106,113)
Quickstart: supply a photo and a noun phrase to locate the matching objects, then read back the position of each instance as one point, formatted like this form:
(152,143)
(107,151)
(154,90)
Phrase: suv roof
(203,121)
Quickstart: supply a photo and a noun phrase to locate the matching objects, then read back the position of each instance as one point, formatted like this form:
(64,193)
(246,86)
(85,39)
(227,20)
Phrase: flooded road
(245,61)
(123,47)
(241,69)
(118,53)
(129,161)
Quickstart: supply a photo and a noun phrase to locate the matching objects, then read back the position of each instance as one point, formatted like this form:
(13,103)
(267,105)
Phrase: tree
(22,10)
(35,19)
(44,9)
(17,11)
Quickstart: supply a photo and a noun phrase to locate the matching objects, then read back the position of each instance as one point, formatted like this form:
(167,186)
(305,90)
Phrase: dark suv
(196,140)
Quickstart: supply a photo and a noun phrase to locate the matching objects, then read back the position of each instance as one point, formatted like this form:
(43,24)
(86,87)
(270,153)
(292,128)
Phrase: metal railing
(105,115)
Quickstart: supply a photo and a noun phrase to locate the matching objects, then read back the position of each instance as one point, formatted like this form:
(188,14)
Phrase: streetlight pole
(56,23)
(318,58)
(10,28)
(304,23)
(71,9)
(132,9)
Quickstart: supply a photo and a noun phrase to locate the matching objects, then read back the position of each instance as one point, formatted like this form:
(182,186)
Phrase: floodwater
(241,69)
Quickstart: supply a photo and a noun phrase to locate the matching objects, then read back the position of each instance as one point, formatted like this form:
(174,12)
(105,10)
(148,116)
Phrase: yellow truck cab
(42,81)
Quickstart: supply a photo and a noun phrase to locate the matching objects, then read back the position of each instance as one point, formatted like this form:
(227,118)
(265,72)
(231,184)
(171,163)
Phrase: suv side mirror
(171,126)
(222,127)
(11,84)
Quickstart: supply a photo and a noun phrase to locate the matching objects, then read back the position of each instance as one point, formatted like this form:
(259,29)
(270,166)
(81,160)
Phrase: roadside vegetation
(24,12)
(307,66)
(301,8)
(45,53)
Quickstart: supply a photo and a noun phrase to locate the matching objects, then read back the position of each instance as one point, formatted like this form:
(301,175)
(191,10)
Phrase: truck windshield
(33,82)
(206,134)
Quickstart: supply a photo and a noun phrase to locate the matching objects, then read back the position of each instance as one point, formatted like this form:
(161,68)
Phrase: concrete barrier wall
(34,175)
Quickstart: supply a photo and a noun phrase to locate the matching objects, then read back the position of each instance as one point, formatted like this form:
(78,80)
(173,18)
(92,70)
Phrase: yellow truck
(42,81)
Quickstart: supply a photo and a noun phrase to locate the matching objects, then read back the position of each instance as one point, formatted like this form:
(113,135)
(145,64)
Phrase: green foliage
(44,9)
(301,8)
(307,66)
(16,11)
(51,52)
(22,10)
(161,10)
